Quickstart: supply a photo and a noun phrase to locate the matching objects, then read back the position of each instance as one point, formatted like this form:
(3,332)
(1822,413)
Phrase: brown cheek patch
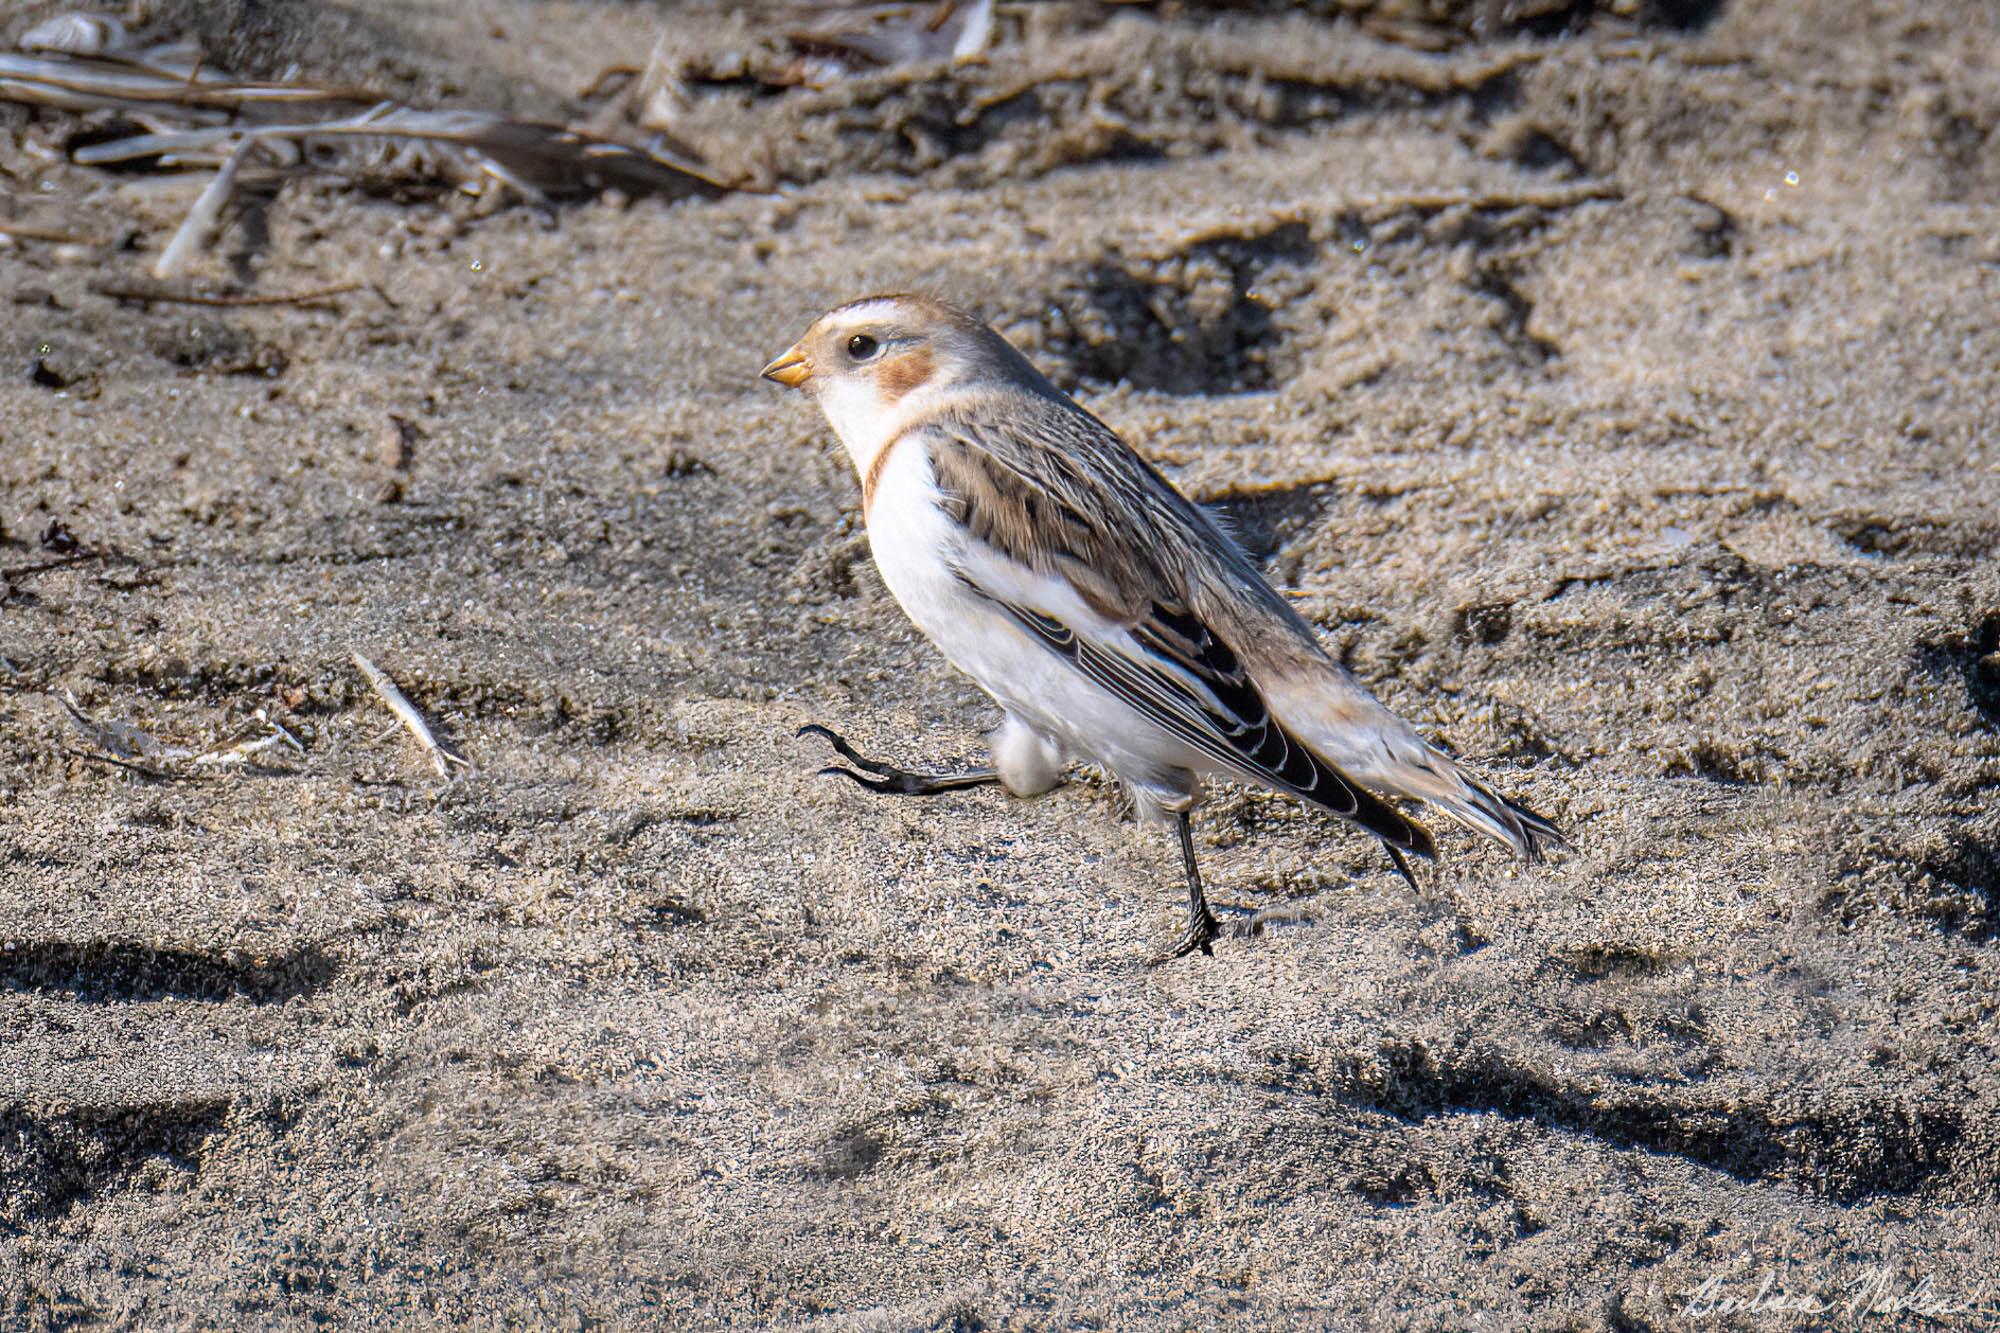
(905,373)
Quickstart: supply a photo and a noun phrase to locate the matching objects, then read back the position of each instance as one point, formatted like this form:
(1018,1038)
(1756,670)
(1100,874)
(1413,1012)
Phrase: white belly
(914,544)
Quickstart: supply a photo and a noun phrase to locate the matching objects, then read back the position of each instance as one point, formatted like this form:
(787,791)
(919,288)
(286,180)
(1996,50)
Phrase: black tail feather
(1402,864)
(1537,833)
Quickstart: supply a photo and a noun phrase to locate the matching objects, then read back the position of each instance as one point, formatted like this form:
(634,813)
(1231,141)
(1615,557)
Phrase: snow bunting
(1112,619)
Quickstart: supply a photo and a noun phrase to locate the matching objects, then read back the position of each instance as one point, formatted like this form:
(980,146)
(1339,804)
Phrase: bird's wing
(1075,538)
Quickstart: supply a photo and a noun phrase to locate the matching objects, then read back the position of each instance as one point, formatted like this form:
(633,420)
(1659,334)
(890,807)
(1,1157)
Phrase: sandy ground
(1617,398)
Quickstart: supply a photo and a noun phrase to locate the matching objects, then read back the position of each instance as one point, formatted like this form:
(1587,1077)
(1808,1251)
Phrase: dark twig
(27,232)
(44,566)
(143,770)
(144,293)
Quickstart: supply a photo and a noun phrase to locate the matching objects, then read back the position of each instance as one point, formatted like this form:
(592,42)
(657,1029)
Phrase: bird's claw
(891,780)
(848,753)
(888,786)
(1200,935)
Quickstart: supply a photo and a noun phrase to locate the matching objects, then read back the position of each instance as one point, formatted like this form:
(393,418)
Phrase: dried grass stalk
(441,756)
(201,220)
(129,746)
(121,739)
(196,116)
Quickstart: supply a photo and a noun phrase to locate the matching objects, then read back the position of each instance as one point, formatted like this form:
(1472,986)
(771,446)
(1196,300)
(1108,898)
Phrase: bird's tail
(1434,778)
(1384,754)
(1504,819)
(1350,729)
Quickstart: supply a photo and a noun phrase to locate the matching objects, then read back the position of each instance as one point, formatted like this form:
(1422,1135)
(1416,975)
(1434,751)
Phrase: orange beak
(791,370)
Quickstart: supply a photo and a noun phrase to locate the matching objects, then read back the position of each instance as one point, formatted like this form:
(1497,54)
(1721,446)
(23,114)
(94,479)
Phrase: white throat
(864,423)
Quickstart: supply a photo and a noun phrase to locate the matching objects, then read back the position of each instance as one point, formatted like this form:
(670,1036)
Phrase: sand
(1614,391)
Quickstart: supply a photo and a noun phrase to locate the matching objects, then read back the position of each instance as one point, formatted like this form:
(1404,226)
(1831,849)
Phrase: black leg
(893,781)
(1201,929)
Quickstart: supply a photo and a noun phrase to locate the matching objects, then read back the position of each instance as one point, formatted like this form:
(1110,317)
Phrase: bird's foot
(1201,934)
(889,779)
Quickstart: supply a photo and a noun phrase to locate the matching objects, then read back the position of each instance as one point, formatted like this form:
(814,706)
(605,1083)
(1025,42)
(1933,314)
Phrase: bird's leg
(1201,928)
(893,781)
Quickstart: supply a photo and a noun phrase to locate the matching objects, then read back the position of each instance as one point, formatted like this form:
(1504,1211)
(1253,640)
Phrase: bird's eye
(860,347)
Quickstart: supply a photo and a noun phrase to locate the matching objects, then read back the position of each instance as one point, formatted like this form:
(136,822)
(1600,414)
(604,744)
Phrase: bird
(1114,621)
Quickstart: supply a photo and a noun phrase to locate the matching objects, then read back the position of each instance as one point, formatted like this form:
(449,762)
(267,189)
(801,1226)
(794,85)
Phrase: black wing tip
(1399,832)
(1402,864)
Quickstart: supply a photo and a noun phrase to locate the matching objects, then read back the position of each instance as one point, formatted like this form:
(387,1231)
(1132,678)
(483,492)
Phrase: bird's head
(879,364)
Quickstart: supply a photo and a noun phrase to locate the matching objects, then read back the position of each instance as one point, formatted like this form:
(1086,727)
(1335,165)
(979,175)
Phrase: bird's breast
(911,535)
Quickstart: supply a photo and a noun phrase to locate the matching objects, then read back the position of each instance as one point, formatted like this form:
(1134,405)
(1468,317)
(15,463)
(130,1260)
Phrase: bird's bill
(791,370)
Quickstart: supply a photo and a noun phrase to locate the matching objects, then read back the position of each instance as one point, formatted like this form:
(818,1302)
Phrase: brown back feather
(1056,490)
